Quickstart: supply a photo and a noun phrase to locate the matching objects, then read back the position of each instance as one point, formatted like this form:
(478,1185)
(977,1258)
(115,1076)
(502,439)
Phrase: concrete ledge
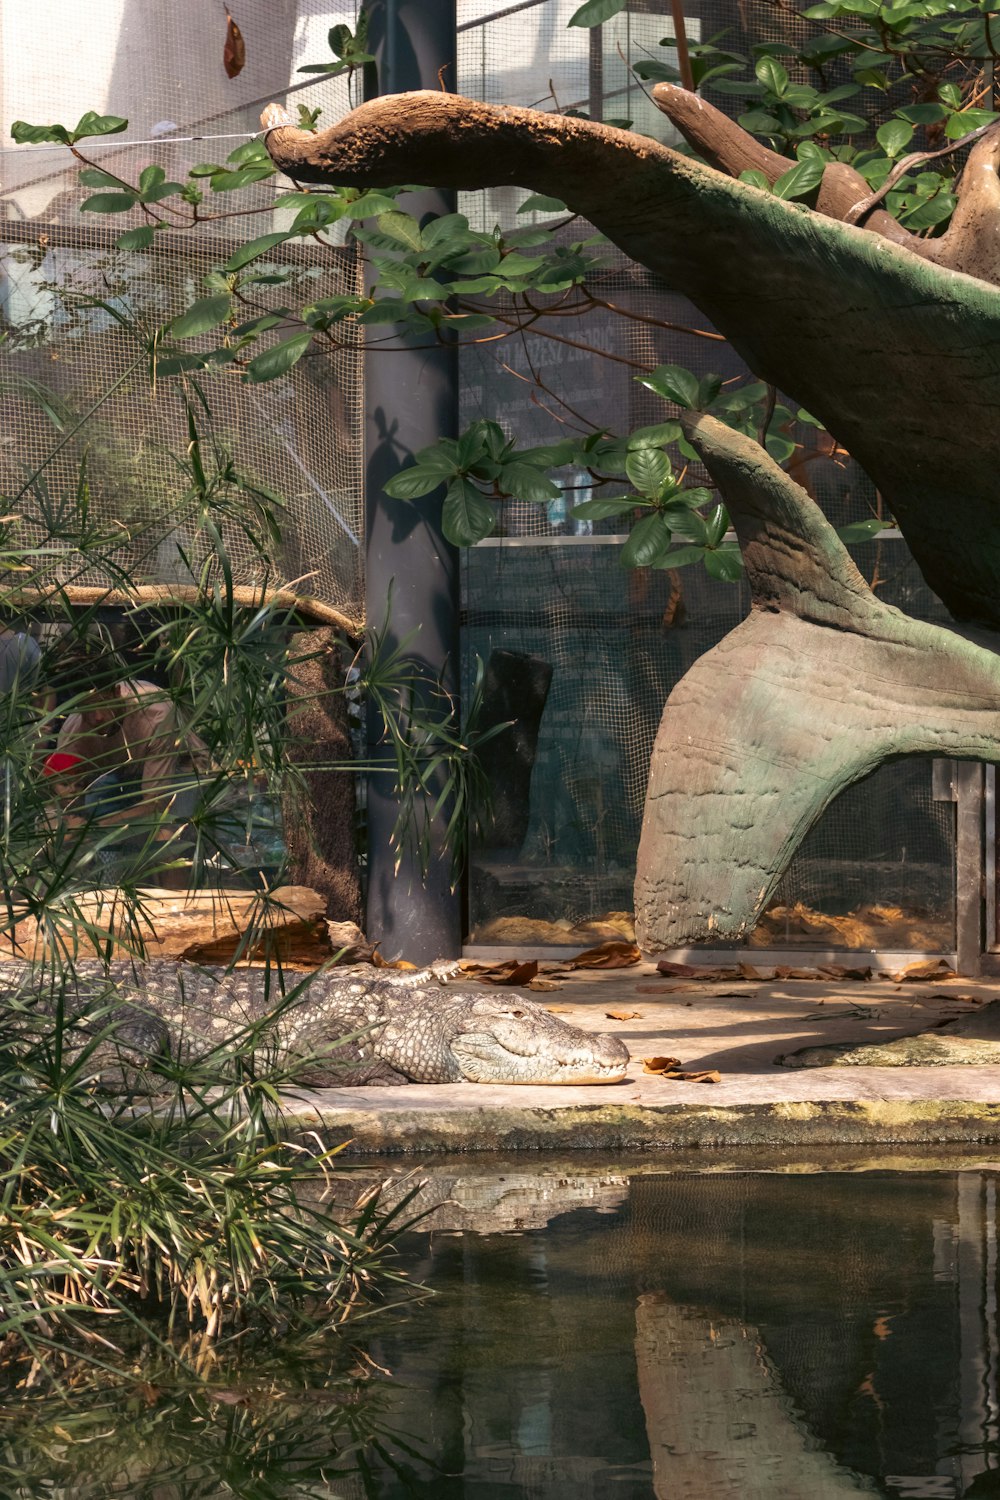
(668,1127)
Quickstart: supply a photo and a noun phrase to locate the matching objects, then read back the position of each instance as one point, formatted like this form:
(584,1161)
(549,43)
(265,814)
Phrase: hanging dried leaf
(609,955)
(623,1015)
(234,53)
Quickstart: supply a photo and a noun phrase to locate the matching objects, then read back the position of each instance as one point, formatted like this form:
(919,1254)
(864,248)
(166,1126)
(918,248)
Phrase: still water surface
(606,1336)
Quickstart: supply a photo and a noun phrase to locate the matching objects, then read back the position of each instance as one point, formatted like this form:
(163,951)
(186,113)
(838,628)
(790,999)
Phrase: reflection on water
(767,1337)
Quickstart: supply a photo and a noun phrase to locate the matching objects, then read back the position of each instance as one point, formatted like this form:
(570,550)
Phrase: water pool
(640,1333)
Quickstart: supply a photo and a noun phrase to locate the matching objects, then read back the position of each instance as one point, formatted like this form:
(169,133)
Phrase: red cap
(61,760)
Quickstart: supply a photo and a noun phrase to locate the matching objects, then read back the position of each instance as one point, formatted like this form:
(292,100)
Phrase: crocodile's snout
(520,1042)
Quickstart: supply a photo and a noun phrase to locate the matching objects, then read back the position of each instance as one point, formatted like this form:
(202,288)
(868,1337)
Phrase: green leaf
(648,541)
(136,239)
(648,469)
(93,177)
(206,313)
(541,203)
(228,182)
(894,136)
(709,388)
(403,228)
(801,179)
(31,135)
(600,510)
(755,178)
(725,563)
(419,479)
(279,359)
(466,516)
(862,531)
(370,205)
(340,38)
(593,12)
(772,75)
(922,114)
(673,383)
(246,253)
(716,525)
(654,437)
(525,482)
(680,557)
(108,203)
(151,177)
(95,124)
(966,121)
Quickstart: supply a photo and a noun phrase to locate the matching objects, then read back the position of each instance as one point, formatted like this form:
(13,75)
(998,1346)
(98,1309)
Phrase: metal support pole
(969,866)
(411,399)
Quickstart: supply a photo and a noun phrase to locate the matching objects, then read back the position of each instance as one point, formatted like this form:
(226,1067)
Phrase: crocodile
(342,1025)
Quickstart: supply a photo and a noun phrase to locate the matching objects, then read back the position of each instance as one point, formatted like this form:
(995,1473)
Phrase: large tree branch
(972,241)
(898,357)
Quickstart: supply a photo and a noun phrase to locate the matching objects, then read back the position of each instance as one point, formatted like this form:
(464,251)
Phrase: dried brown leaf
(623,1015)
(391,963)
(696,971)
(932,968)
(234,53)
(560,1010)
(660,1064)
(543,984)
(610,955)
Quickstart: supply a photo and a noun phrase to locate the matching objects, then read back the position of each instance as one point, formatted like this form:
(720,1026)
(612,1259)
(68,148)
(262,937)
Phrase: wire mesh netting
(75,311)
(547,604)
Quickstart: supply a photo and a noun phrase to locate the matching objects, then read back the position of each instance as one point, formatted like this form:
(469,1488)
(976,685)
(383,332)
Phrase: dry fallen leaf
(508,971)
(696,971)
(543,984)
(670,1067)
(665,989)
(391,963)
(234,53)
(560,1010)
(932,968)
(610,955)
(623,1015)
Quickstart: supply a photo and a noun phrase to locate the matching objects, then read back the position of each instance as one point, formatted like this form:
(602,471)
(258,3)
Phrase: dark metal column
(411,398)
(969,866)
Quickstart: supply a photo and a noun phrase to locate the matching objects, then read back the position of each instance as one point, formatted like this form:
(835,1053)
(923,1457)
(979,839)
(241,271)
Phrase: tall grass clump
(158,1195)
(149,1197)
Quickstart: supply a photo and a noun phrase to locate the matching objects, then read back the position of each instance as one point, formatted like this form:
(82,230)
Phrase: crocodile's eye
(517,1013)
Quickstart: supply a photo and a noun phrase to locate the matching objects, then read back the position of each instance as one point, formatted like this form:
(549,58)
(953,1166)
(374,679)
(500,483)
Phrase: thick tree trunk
(819,686)
(893,344)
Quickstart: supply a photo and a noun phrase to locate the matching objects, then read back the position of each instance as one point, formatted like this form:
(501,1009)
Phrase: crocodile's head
(448,1037)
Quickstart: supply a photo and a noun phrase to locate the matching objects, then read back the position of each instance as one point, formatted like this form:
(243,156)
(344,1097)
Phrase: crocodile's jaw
(482,1058)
